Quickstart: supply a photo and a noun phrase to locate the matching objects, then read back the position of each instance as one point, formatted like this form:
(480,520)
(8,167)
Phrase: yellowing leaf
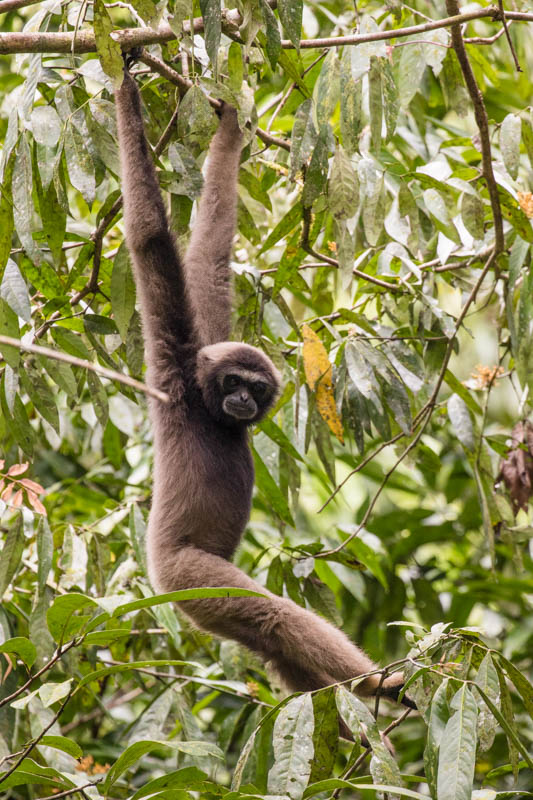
(318,374)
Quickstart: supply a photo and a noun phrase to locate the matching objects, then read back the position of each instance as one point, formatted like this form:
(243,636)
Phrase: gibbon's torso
(203,476)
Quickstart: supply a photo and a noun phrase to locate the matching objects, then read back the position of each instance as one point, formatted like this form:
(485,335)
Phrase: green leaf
(20,646)
(122,291)
(375,103)
(136,751)
(109,50)
(62,743)
(461,421)
(355,786)
(6,215)
(11,554)
(273,39)
(22,186)
(369,558)
(9,326)
(457,757)
(326,93)
(287,224)
(235,67)
(520,682)
(290,14)
(343,186)
(316,175)
(510,134)
(146,9)
(271,491)
(439,715)
(46,125)
(293,748)
(212,28)
(79,164)
(325,734)
(473,214)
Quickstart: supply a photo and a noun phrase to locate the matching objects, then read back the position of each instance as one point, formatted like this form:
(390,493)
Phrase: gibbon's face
(244,394)
(239,383)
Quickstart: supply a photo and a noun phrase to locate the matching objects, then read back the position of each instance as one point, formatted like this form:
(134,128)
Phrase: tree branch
(482,121)
(134,37)
(112,374)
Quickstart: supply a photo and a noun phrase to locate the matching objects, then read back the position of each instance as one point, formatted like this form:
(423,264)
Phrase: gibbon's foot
(392,692)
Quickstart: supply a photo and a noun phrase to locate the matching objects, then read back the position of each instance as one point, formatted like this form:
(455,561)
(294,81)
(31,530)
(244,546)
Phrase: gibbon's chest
(207,474)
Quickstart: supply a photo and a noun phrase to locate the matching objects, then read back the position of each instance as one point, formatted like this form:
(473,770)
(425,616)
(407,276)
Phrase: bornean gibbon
(203,471)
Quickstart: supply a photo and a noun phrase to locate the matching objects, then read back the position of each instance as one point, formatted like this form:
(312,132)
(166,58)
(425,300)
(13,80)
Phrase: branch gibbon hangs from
(203,471)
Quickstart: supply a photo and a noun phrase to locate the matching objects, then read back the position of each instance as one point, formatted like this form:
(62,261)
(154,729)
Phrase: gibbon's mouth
(239,410)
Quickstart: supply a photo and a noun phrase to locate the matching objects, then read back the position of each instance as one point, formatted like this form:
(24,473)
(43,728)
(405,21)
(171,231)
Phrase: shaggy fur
(203,474)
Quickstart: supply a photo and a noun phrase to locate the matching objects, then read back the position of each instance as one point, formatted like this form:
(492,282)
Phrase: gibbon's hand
(131,56)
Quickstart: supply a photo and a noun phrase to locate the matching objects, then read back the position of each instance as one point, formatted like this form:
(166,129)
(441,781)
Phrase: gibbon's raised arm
(209,248)
(158,269)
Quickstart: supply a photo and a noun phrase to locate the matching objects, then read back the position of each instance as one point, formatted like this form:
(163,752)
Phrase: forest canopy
(383,262)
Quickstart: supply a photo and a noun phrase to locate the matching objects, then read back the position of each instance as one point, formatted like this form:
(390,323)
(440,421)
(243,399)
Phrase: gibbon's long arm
(209,248)
(158,269)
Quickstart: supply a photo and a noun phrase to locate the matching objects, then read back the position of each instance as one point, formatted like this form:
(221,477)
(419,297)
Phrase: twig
(184,84)
(57,655)
(355,766)
(482,121)
(112,374)
(290,90)
(74,789)
(508,37)
(304,244)
(134,37)
(36,741)
(14,5)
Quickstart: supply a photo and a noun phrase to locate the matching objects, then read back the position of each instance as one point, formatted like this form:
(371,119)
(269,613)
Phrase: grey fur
(203,472)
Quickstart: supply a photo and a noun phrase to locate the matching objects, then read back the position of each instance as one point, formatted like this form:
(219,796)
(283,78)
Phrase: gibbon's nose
(244,397)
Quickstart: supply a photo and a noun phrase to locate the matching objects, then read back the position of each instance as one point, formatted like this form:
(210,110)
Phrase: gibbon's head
(239,383)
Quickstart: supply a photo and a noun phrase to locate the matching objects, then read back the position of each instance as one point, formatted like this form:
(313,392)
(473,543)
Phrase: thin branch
(482,121)
(57,655)
(355,766)
(112,374)
(508,37)
(74,789)
(14,5)
(304,244)
(37,739)
(135,37)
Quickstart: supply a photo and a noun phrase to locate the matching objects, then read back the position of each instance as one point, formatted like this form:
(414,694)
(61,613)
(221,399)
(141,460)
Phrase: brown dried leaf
(17,499)
(517,468)
(8,491)
(32,485)
(36,503)
(17,469)
(525,200)
(318,374)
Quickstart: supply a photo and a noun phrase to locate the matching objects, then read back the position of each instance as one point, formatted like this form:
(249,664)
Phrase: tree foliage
(383,261)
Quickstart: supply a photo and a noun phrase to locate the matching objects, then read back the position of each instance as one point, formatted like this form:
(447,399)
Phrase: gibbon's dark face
(238,382)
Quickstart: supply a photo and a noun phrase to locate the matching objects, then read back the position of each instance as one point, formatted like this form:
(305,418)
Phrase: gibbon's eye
(230,382)
(259,390)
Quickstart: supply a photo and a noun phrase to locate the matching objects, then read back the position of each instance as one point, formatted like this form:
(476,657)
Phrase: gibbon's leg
(208,254)
(307,651)
(159,275)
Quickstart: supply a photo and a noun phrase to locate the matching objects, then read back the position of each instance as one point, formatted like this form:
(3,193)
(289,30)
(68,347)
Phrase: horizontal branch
(111,374)
(133,37)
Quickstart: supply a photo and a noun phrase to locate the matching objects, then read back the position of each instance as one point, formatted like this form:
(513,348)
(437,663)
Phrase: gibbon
(203,470)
